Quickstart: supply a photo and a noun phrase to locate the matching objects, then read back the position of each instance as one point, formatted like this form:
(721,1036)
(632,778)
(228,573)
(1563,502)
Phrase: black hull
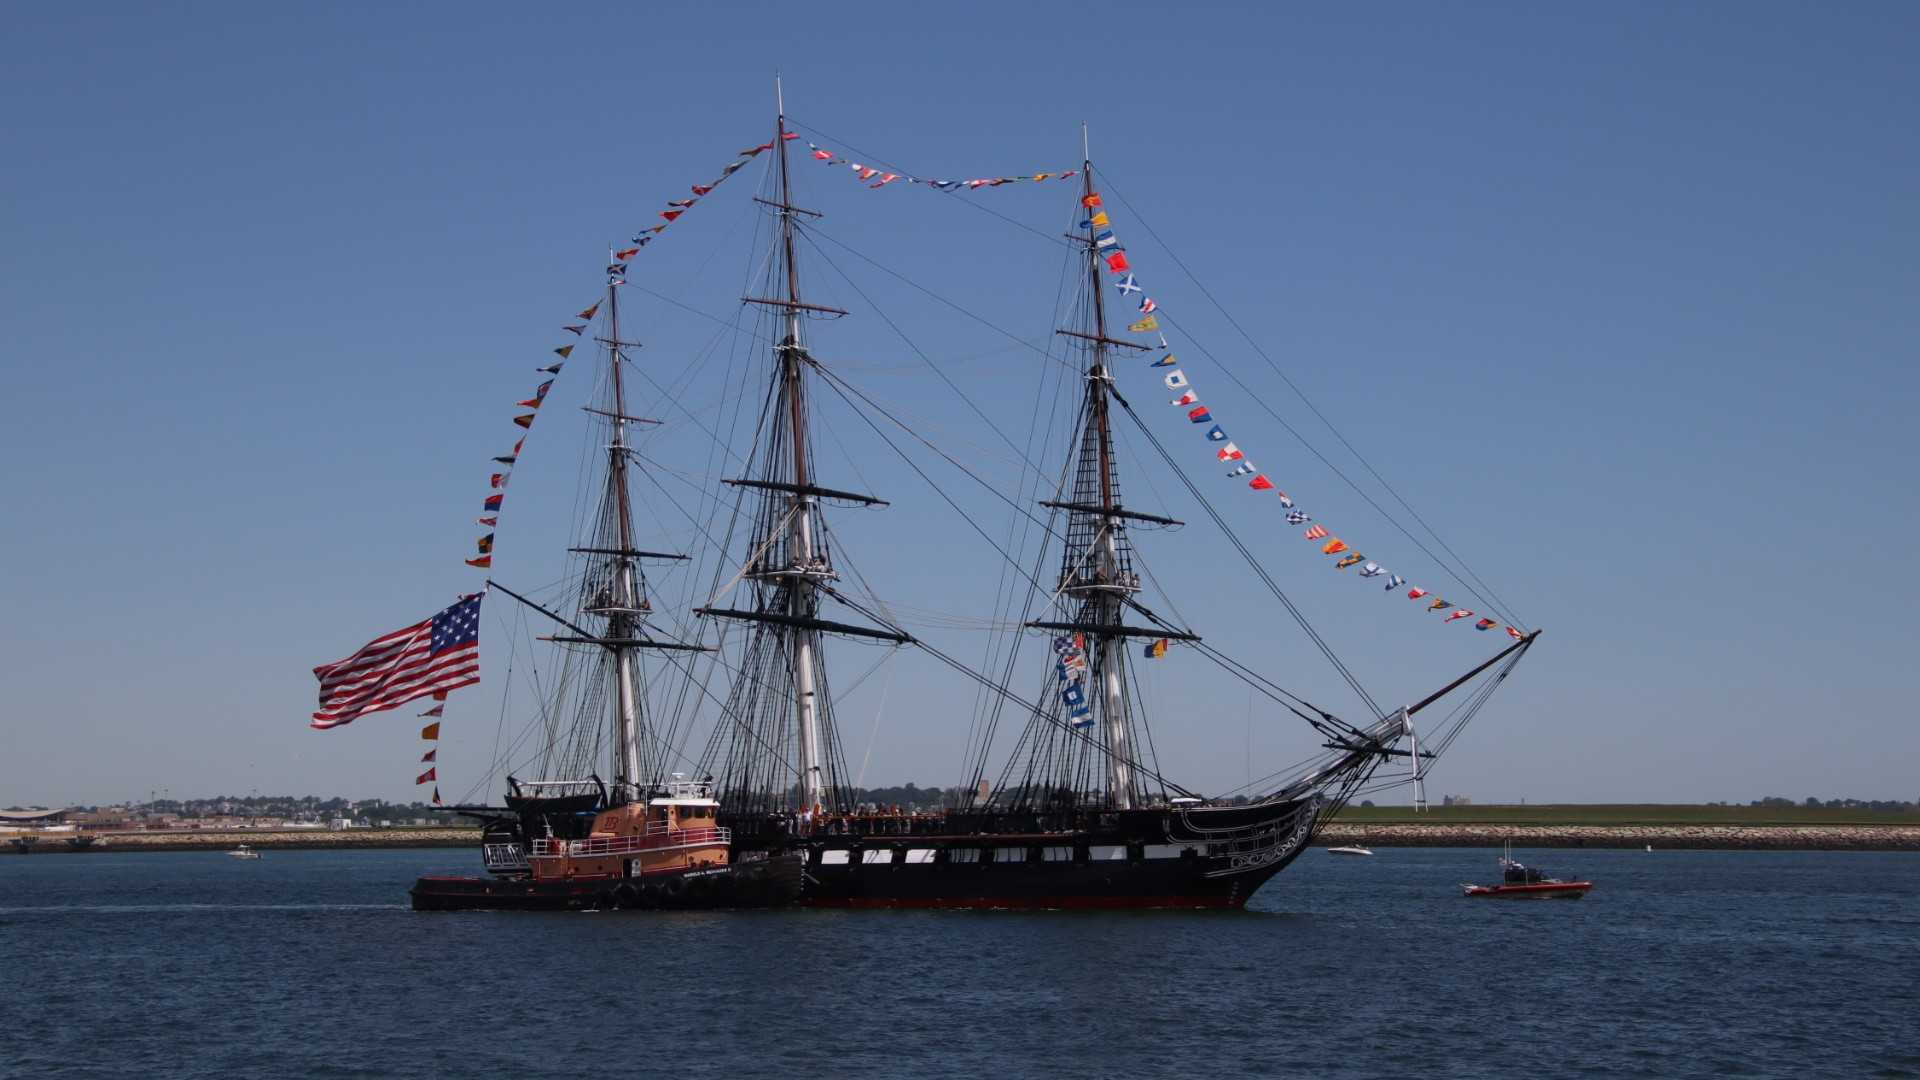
(760,882)
(1172,858)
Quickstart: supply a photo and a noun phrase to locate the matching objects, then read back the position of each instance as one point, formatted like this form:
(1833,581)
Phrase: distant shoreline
(282,840)
(1399,834)
(1672,837)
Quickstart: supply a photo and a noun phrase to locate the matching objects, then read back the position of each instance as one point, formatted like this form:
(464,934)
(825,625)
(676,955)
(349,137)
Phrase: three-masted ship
(1077,815)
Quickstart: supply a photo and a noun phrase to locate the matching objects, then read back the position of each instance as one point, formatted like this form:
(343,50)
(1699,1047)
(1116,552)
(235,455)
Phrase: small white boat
(243,852)
(1350,850)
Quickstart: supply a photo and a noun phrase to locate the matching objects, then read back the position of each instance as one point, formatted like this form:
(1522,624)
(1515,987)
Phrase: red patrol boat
(1522,882)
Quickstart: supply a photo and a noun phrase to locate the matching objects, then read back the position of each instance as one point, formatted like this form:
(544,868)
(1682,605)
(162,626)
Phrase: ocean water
(309,964)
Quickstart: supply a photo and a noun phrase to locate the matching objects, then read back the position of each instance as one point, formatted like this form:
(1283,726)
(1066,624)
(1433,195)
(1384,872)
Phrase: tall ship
(699,761)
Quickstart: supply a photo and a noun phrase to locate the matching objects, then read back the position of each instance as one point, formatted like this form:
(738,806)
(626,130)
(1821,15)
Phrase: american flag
(430,657)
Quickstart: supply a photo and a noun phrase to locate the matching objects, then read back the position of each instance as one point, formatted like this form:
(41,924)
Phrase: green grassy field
(1621,814)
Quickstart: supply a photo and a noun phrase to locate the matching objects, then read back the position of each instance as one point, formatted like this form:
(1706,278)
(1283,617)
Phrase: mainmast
(803,594)
(781,741)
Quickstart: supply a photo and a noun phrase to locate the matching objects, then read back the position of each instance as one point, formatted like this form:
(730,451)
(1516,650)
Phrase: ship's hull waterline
(1199,858)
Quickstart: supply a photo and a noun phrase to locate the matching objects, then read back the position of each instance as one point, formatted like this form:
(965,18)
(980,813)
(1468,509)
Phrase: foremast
(1094,591)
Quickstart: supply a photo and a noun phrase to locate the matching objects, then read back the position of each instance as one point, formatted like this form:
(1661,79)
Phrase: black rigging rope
(1490,599)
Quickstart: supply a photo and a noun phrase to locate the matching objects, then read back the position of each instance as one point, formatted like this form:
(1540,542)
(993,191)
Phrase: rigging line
(905,172)
(843,388)
(1315,409)
(1035,710)
(1246,554)
(975,316)
(808,235)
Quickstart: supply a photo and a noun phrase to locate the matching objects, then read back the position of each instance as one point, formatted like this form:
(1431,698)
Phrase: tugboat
(1518,881)
(664,852)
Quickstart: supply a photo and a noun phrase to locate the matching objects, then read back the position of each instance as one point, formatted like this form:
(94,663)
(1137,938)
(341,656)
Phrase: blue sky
(1621,299)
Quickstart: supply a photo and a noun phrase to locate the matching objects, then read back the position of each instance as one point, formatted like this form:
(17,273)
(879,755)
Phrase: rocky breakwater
(271,839)
(1720,837)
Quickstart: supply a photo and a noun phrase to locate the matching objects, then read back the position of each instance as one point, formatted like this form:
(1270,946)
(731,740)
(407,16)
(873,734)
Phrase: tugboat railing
(503,856)
(652,840)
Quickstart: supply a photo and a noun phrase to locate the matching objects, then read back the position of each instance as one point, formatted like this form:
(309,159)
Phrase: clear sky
(1622,299)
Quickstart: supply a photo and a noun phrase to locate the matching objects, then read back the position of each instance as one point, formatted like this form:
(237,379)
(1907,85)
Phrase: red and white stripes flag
(429,657)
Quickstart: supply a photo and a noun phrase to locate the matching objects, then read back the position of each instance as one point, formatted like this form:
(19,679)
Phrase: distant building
(1456,800)
(38,817)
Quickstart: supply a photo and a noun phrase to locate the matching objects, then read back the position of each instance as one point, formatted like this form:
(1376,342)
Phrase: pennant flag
(1372,569)
(763,147)
(489,522)
(1148,307)
(1463,613)
(499,480)
(821,155)
(617,281)
(1156,650)
(1438,605)
(616,269)
(1485,624)
(1216,434)
(702,189)
(588,314)
(493,503)
(1316,532)
(1117,262)
(431,731)
(1127,284)
(885,179)
(506,459)
(1105,239)
(1229,452)
(435,728)
(1394,581)
(525,421)
(436,795)
(551,369)
(576,331)
(539,395)
(518,443)
(1349,560)
(1260,483)
(1241,469)
(1416,593)
(671,214)
(434,655)
(1295,517)
(684,204)
(485,544)
(734,167)
(427,777)
(1176,380)
(1286,502)
(484,562)
(563,351)
(1089,201)
(1333,547)
(1514,634)
(625,254)
(1188,398)
(430,756)
(1098,220)
(1165,361)
(1146,325)
(1200,416)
